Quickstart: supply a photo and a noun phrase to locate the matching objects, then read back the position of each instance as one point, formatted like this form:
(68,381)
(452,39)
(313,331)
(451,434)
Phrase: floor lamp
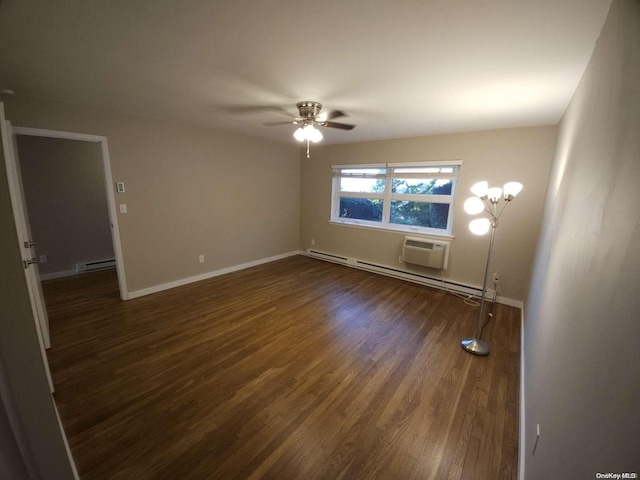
(486,200)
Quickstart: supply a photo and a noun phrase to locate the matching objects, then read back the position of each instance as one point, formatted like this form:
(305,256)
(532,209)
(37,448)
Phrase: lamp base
(475,346)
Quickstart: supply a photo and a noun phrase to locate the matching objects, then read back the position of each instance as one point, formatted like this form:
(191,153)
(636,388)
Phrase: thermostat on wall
(120,187)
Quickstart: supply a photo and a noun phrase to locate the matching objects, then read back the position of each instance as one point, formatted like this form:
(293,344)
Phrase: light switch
(123,208)
(120,187)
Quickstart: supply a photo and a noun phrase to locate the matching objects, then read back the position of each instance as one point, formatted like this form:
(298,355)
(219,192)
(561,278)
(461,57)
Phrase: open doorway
(70,200)
(63,184)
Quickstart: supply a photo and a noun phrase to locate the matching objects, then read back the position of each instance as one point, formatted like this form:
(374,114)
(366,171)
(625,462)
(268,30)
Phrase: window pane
(427,170)
(420,214)
(422,186)
(361,208)
(369,185)
(363,171)
(417,170)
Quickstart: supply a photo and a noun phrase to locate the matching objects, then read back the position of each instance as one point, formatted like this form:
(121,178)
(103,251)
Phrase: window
(416,197)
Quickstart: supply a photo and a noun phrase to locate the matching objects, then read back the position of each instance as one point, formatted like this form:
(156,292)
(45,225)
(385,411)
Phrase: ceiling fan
(310,118)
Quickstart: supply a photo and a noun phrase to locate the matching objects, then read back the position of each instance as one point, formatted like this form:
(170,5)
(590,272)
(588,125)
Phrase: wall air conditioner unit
(425,252)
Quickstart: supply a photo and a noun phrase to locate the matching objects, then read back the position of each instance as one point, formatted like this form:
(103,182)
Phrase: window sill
(402,231)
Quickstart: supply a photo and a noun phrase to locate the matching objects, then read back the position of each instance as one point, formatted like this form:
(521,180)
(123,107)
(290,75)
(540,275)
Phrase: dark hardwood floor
(297,369)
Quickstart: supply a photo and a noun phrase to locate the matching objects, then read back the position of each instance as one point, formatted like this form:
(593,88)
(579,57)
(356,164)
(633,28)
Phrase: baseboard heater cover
(394,272)
(328,256)
(95,265)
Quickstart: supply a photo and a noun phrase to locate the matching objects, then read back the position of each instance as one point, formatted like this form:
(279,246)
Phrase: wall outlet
(497,277)
(313,242)
(201,258)
(43,259)
(123,208)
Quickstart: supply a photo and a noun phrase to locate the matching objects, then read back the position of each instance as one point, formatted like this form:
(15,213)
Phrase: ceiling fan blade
(275,124)
(342,126)
(335,114)
(324,116)
(254,109)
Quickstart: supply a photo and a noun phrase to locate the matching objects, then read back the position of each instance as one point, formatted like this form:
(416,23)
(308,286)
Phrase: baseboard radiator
(396,273)
(95,265)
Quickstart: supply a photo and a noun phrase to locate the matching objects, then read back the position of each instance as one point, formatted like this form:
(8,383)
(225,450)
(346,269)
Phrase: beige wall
(582,361)
(189,191)
(522,154)
(63,182)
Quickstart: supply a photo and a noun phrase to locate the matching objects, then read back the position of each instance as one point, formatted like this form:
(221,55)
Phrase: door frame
(108,180)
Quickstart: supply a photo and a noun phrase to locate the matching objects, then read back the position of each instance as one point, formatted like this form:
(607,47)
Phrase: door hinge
(28,262)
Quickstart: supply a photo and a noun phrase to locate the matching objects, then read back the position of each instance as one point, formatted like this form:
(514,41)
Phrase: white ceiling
(399,68)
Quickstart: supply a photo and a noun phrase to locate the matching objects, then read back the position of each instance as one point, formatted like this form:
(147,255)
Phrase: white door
(26,243)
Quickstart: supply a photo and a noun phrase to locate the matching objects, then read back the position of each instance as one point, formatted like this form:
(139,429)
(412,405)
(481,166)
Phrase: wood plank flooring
(297,369)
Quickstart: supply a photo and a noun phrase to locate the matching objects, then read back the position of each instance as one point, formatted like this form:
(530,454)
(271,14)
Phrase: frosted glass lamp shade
(314,134)
(299,134)
(511,189)
(479,226)
(480,189)
(308,132)
(494,194)
(473,205)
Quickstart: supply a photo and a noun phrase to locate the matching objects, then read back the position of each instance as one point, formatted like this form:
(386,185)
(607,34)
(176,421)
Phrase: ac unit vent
(427,253)
(418,244)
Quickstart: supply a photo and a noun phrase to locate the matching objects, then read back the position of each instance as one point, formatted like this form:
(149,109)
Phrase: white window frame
(388,196)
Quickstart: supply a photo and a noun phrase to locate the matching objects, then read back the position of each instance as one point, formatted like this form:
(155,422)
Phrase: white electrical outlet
(313,242)
(497,277)
(43,259)
(201,258)
(123,208)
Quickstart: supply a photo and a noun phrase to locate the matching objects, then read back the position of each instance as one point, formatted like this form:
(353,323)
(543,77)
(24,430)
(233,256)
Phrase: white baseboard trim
(72,462)
(510,302)
(205,276)
(521,423)
(421,279)
(54,275)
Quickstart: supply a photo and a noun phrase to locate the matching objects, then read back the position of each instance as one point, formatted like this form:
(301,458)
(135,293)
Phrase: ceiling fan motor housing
(309,109)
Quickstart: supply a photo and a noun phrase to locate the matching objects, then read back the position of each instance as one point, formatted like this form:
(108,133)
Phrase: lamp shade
(479,226)
(480,189)
(511,189)
(494,194)
(308,132)
(313,134)
(299,134)
(473,205)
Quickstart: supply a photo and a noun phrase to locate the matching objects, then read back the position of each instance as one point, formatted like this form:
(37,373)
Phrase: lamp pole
(475,345)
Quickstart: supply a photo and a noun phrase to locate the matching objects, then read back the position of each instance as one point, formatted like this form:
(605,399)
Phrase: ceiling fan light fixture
(308,133)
